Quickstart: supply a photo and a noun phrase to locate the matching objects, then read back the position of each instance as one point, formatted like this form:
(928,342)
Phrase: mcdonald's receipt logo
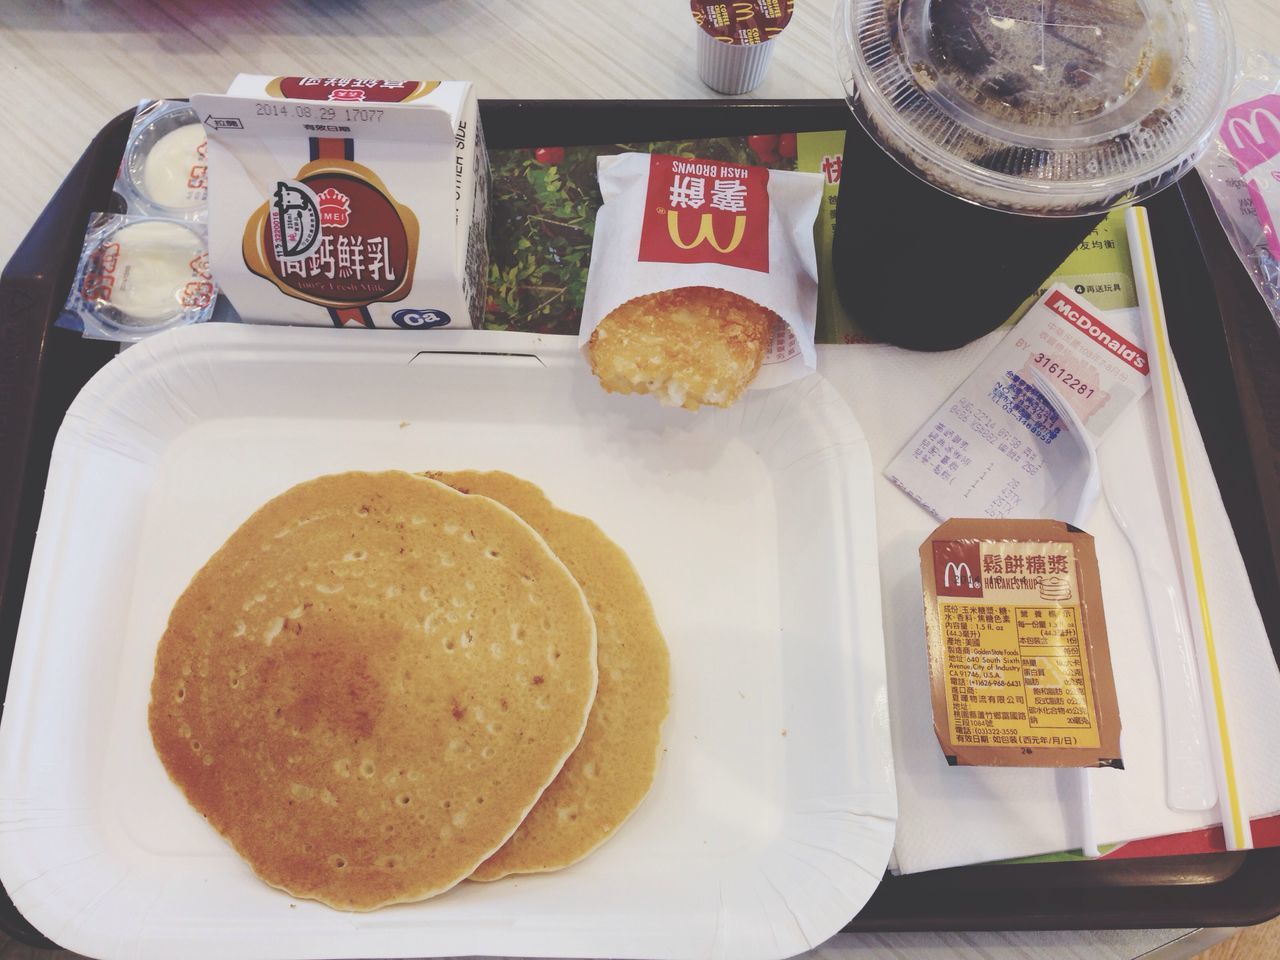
(705,211)
(957,566)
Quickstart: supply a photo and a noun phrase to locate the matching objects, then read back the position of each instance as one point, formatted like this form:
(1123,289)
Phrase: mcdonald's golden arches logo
(706,232)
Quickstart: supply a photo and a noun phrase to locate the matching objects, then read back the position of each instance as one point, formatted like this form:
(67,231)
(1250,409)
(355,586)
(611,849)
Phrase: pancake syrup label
(705,211)
(1019,667)
(334,236)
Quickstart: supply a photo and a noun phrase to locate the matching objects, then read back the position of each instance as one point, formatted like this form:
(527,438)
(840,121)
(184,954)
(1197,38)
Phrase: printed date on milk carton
(351,202)
(991,449)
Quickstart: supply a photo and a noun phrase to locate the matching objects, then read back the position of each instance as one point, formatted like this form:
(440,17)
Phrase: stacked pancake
(384,683)
(1057,589)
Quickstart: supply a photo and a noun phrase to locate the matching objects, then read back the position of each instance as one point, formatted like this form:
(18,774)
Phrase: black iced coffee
(1006,129)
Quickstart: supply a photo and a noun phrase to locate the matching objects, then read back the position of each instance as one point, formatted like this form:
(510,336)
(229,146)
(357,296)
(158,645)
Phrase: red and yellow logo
(333,236)
(350,89)
(705,211)
(957,568)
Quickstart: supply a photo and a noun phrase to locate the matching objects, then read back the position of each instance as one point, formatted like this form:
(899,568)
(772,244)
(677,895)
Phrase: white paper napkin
(950,816)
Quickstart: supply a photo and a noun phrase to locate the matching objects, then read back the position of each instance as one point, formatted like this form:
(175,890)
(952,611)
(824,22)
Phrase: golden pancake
(614,765)
(371,683)
(688,346)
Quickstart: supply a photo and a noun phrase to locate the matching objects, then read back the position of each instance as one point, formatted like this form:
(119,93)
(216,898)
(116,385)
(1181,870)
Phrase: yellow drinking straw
(1235,818)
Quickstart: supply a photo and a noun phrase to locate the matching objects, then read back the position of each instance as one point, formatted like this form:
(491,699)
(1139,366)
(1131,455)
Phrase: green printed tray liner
(544,212)
(544,209)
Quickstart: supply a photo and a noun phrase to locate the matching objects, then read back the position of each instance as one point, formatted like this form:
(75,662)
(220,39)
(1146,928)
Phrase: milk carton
(348,202)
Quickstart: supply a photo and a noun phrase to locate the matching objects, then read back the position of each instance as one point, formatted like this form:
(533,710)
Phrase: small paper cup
(732,67)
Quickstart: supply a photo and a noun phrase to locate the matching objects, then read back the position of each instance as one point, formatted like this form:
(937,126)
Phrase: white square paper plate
(772,816)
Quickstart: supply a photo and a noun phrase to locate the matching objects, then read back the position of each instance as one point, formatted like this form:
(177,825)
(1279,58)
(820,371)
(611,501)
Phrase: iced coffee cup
(994,134)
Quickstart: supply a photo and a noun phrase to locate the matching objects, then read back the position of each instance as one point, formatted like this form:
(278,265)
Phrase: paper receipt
(994,448)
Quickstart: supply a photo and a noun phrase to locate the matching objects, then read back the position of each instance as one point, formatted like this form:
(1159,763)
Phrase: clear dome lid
(1049,107)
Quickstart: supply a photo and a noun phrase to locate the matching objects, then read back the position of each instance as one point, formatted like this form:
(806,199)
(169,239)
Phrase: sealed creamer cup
(165,168)
(141,275)
(735,41)
(703,278)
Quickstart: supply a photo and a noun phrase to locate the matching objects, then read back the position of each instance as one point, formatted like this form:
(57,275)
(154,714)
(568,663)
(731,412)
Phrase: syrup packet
(1019,663)
(344,201)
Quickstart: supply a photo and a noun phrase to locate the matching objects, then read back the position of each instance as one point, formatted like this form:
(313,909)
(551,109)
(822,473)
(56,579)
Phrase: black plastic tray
(1227,347)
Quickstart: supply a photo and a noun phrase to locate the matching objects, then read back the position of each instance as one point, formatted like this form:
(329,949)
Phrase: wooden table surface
(71,65)
(76,63)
